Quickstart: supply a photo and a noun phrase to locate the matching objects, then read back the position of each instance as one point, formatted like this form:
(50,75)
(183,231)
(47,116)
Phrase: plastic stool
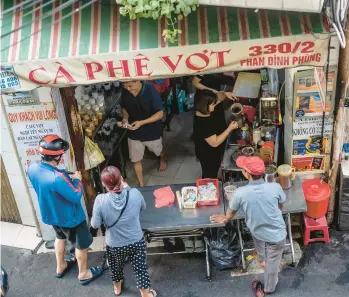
(315,225)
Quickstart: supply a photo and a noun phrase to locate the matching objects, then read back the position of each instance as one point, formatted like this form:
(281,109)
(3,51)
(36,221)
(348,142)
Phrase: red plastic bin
(204,182)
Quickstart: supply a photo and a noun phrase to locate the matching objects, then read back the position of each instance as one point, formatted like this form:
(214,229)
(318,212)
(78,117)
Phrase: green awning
(99,29)
(87,44)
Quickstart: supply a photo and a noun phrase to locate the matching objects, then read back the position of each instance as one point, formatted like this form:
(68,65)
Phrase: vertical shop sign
(320,78)
(30,120)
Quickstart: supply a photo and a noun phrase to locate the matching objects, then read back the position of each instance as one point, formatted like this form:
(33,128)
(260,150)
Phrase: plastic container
(204,182)
(317,194)
(189,204)
(229,189)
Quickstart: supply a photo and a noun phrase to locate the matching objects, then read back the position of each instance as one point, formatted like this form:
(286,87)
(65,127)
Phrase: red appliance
(317,194)
(249,112)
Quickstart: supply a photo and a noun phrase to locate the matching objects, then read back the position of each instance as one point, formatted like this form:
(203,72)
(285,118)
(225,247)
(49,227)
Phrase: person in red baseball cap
(261,202)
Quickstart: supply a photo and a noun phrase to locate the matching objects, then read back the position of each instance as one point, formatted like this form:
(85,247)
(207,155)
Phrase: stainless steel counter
(171,221)
(172,218)
(295,200)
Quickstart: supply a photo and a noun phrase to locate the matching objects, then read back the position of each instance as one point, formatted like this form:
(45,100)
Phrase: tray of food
(189,197)
(208,192)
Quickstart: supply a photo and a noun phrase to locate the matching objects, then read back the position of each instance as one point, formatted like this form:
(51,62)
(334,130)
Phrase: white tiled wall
(14,171)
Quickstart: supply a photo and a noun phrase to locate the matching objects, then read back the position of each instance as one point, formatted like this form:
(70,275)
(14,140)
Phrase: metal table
(295,203)
(167,220)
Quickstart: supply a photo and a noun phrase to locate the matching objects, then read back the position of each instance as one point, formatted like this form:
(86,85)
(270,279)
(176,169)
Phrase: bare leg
(163,162)
(138,168)
(60,252)
(81,257)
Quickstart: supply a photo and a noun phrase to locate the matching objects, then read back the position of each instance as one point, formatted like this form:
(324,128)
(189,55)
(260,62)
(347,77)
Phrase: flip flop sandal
(257,286)
(122,288)
(153,292)
(96,273)
(70,263)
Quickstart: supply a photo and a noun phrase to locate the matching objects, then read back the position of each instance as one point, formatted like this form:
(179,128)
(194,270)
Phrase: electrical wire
(16,6)
(339,9)
(33,10)
(60,19)
(340,29)
(53,11)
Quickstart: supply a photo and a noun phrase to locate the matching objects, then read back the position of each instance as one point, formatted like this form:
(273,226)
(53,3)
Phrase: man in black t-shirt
(142,110)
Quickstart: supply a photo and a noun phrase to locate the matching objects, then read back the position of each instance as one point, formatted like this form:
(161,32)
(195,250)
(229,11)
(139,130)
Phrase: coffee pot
(237,114)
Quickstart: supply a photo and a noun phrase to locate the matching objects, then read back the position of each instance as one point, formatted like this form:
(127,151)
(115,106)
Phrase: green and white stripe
(99,28)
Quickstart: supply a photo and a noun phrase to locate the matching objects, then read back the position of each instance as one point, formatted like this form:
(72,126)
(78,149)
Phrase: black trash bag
(224,248)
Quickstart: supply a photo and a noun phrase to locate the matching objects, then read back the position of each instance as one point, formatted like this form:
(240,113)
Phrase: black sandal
(70,263)
(96,273)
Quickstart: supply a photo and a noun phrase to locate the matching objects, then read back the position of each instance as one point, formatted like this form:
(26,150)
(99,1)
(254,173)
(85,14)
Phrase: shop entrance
(99,107)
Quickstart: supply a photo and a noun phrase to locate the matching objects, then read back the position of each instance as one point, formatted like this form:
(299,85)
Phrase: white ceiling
(288,5)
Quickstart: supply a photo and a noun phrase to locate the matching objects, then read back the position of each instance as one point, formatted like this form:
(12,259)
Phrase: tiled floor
(179,148)
(19,236)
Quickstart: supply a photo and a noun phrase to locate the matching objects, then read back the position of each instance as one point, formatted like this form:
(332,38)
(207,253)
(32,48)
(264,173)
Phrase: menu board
(309,164)
(308,100)
(309,149)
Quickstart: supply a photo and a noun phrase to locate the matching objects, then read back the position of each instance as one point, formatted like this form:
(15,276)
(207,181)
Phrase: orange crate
(204,182)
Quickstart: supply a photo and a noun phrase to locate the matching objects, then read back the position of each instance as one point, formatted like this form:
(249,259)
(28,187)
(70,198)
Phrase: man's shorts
(136,148)
(79,236)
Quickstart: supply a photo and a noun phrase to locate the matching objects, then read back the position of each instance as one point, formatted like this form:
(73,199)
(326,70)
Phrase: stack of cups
(91,106)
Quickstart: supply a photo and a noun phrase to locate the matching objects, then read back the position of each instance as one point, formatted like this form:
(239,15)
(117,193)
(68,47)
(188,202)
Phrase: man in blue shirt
(142,113)
(59,198)
(261,203)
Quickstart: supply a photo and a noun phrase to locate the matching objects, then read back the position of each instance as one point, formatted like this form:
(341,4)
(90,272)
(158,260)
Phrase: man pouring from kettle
(262,204)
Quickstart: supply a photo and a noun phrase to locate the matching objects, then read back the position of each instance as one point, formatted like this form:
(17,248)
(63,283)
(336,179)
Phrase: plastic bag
(224,248)
(92,154)
(181,96)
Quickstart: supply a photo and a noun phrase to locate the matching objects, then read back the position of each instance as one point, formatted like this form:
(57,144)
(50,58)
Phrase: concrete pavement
(323,271)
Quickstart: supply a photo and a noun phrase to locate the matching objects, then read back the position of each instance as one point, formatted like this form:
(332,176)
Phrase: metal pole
(339,125)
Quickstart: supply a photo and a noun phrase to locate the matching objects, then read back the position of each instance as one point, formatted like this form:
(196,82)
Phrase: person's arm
(281,197)
(124,115)
(156,103)
(143,204)
(234,203)
(154,118)
(215,140)
(68,189)
(199,86)
(96,220)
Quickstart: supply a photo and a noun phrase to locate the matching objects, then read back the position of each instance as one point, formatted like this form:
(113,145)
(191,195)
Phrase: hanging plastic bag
(92,154)
(181,96)
(224,248)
